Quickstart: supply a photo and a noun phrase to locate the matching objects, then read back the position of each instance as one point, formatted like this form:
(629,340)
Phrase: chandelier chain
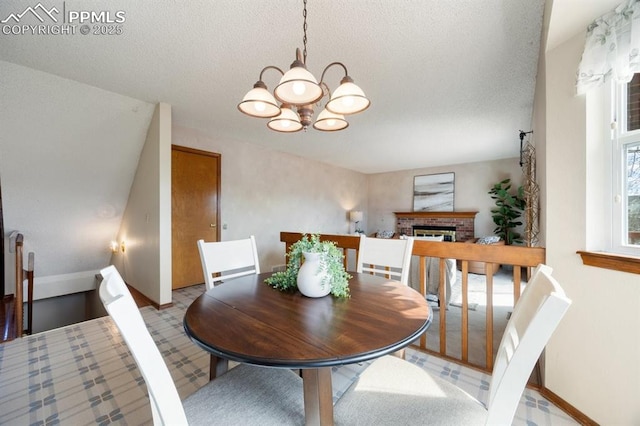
(304,31)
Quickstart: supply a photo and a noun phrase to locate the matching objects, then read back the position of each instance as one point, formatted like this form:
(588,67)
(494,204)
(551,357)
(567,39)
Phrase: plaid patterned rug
(83,374)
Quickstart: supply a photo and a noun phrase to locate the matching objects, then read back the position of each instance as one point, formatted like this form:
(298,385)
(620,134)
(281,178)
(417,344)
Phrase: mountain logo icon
(39,11)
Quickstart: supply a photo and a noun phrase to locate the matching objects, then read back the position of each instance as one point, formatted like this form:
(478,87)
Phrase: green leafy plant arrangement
(331,261)
(509,207)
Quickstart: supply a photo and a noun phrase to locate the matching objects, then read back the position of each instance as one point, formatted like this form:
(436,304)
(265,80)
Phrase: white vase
(309,280)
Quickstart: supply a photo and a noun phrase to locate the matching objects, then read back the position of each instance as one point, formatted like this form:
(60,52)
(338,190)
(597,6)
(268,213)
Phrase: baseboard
(163,306)
(577,415)
(142,300)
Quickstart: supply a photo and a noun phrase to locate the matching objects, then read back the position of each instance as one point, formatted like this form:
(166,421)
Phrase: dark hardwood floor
(8,313)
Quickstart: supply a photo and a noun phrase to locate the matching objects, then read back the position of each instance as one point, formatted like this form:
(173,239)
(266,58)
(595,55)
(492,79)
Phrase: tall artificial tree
(509,207)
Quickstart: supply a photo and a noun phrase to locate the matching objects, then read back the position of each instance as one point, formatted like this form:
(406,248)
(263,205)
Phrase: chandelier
(299,89)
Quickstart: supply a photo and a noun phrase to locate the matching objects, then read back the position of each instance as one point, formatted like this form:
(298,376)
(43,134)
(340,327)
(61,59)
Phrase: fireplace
(449,232)
(460,222)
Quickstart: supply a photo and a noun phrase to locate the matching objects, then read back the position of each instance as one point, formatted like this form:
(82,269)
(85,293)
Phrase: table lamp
(356,216)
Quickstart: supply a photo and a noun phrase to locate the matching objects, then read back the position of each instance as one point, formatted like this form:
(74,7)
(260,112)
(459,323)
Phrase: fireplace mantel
(462,221)
(421,214)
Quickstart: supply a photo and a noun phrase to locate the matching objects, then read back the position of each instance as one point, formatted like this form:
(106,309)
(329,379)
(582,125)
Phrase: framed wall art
(433,193)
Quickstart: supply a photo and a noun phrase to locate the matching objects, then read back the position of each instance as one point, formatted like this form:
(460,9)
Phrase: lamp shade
(330,122)
(355,215)
(258,102)
(348,99)
(298,87)
(288,121)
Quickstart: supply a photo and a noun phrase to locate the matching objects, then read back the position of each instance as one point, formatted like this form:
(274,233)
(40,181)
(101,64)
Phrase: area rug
(84,374)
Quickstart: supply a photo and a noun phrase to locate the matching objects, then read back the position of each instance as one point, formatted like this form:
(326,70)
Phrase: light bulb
(259,106)
(285,123)
(298,88)
(347,101)
(331,123)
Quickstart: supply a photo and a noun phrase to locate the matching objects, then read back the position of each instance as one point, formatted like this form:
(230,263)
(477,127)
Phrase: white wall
(592,360)
(68,153)
(265,192)
(393,192)
(146,223)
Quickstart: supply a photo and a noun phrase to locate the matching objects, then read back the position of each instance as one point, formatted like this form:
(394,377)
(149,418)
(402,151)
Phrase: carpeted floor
(502,306)
(83,374)
(477,286)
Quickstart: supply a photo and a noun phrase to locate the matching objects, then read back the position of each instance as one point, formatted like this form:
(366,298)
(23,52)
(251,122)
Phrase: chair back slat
(374,269)
(388,257)
(228,259)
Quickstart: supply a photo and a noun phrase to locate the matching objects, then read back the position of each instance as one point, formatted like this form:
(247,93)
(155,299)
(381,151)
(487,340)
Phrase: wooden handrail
(344,242)
(517,256)
(508,255)
(16,242)
(29,273)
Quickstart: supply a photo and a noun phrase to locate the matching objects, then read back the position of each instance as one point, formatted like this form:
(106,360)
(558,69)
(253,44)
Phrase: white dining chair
(386,257)
(244,395)
(224,260)
(395,391)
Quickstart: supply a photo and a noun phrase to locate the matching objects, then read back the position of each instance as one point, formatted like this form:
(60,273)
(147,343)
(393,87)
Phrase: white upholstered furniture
(433,277)
(385,257)
(224,260)
(246,395)
(394,391)
(432,269)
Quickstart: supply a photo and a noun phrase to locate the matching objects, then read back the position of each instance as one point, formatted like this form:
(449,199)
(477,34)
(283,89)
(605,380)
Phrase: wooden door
(195,194)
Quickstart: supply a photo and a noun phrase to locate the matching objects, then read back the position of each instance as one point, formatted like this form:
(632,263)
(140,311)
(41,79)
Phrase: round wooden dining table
(246,320)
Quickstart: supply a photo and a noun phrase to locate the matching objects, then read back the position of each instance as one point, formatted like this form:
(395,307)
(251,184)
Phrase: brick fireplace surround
(462,221)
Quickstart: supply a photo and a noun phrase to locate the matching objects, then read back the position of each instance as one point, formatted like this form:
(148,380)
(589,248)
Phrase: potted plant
(327,265)
(509,207)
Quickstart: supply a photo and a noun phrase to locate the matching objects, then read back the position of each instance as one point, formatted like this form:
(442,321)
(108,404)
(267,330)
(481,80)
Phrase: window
(632,184)
(626,170)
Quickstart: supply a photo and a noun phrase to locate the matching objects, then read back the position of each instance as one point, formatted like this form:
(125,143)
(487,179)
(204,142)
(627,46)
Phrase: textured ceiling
(570,17)
(450,81)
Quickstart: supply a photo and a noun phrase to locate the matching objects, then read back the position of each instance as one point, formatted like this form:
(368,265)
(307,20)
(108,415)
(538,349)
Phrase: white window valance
(612,48)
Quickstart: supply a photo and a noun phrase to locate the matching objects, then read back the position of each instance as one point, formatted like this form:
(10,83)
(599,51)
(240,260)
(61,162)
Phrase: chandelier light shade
(299,89)
(298,86)
(258,102)
(348,99)
(327,121)
(287,121)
